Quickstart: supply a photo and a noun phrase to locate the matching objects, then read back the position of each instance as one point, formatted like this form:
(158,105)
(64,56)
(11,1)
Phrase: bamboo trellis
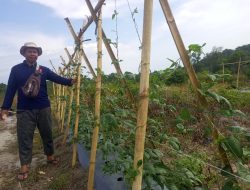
(144,83)
(240,62)
(77,95)
(97,105)
(115,61)
(142,113)
(71,95)
(192,76)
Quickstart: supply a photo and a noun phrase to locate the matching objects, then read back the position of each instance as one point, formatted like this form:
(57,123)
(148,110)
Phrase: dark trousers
(27,121)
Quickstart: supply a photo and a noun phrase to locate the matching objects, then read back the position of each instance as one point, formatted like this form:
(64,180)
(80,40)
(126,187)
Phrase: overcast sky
(218,23)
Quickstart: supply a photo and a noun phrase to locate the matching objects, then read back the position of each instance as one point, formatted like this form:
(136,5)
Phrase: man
(32,112)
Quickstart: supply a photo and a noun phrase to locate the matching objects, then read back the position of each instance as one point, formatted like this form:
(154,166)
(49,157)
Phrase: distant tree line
(212,62)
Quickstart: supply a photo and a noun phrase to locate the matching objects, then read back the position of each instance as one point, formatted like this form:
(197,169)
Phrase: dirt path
(9,160)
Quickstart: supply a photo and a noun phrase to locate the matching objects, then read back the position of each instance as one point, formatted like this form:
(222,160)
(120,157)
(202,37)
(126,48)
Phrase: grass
(61,182)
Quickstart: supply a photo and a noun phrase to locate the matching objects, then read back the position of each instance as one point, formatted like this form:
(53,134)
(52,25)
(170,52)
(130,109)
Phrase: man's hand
(73,81)
(3,114)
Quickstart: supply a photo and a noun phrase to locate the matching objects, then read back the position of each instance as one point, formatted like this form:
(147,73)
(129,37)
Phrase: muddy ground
(41,176)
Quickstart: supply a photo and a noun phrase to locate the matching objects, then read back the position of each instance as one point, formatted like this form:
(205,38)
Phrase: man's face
(31,55)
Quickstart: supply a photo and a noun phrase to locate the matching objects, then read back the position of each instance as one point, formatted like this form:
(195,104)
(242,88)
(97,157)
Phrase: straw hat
(30,45)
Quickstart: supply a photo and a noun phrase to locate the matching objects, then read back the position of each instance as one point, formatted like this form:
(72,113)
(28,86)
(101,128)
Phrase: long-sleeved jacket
(17,79)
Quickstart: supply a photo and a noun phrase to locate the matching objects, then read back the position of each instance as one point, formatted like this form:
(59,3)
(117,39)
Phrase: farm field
(149,123)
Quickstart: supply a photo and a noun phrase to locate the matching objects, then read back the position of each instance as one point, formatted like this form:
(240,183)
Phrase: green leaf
(240,113)
(227,102)
(233,145)
(243,171)
(173,187)
(139,163)
(158,153)
(228,185)
(185,114)
(214,96)
(226,171)
(237,129)
(247,136)
(174,145)
(212,77)
(181,128)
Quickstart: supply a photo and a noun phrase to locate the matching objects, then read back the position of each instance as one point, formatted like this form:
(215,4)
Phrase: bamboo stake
(238,74)
(142,113)
(90,20)
(181,49)
(69,116)
(191,73)
(77,109)
(70,102)
(72,30)
(58,100)
(82,51)
(62,109)
(65,90)
(97,105)
(54,86)
(113,58)
(88,64)
(242,62)
(52,66)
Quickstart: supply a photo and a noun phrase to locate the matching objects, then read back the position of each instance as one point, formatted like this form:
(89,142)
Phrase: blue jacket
(17,79)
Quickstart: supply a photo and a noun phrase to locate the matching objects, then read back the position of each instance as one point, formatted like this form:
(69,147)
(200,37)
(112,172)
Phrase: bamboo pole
(69,116)
(192,76)
(88,64)
(238,74)
(65,93)
(59,87)
(113,58)
(53,66)
(66,132)
(242,62)
(72,31)
(77,109)
(62,109)
(90,20)
(97,105)
(181,49)
(142,113)
(82,51)
(54,86)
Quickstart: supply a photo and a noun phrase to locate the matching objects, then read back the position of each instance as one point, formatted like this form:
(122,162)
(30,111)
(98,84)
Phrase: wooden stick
(77,109)
(72,30)
(97,105)
(88,64)
(181,49)
(52,66)
(69,116)
(63,106)
(242,62)
(144,91)
(90,20)
(71,92)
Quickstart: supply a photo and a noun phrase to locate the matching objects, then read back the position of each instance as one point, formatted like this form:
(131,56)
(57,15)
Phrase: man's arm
(58,79)
(9,95)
